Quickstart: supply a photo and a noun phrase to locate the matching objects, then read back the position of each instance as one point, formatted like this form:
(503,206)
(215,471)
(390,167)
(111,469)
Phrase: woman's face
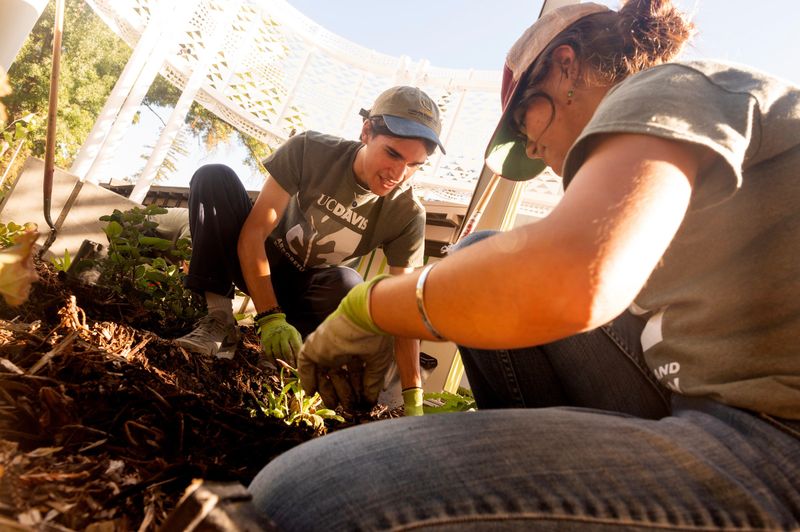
(556,115)
(551,127)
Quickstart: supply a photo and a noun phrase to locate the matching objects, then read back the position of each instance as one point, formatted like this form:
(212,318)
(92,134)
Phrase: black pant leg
(309,297)
(324,290)
(602,369)
(218,207)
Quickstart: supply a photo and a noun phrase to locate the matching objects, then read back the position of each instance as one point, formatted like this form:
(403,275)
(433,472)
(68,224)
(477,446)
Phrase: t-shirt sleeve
(678,102)
(408,249)
(285,164)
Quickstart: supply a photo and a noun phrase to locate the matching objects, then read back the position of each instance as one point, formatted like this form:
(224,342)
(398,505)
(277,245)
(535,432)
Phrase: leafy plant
(291,404)
(10,232)
(13,140)
(62,264)
(19,133)
(442,402)
(138,260)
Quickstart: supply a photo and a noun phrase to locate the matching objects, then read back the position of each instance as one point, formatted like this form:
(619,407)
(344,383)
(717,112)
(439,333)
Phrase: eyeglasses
(518,117)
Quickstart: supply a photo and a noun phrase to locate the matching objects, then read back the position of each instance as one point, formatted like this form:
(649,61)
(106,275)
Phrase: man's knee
(344,279)
(470,239)
(211,177)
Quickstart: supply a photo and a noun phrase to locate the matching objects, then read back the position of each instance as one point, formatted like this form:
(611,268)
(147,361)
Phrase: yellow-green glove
(347,357)
(279,338)
(412,401)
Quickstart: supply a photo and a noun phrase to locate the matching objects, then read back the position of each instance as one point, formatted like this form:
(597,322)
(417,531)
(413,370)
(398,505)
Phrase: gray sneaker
(214,335)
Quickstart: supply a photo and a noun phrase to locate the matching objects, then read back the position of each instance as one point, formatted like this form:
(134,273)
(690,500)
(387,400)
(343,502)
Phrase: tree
(92,60)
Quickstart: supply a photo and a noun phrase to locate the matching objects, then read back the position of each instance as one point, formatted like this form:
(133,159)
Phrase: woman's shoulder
(725,76)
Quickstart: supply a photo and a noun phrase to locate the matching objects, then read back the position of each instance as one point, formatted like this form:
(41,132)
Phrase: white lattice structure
(267,69)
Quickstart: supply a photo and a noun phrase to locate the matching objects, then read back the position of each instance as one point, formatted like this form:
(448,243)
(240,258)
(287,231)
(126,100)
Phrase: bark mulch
(104,422)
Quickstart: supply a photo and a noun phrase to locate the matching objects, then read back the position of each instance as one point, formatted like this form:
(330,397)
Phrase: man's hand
(347,357)
(279,339)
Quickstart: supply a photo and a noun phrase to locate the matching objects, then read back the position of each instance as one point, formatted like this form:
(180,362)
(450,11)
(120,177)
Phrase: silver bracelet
(420,292)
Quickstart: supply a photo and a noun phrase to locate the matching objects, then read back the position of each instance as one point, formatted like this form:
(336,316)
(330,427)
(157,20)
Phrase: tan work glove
(347,357)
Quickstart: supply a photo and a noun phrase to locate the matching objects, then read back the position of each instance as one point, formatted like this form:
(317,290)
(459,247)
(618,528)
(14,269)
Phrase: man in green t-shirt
(325,202)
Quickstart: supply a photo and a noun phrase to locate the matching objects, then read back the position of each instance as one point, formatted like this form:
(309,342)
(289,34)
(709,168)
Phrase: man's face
(387,162)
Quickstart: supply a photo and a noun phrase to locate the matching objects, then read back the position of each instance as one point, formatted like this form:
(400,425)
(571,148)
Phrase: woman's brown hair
(612,45)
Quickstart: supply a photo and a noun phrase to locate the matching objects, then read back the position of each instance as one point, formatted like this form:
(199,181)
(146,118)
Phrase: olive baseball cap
(408,112)
(505,154)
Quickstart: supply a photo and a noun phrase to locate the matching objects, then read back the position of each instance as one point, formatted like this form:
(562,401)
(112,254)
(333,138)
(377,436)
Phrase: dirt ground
(104,421)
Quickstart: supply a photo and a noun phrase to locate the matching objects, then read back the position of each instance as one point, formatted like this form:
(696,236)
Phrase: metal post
(50,145)
(169,38)
(111,109)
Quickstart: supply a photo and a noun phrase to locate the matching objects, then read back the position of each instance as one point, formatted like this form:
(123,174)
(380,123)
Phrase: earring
(570,94)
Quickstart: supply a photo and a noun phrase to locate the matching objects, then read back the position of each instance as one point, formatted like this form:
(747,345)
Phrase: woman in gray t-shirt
(661,294)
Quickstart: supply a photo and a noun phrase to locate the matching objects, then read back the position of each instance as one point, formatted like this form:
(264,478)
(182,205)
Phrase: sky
(478,33)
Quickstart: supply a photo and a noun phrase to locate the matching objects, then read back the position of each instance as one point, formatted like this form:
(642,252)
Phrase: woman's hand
(347,357)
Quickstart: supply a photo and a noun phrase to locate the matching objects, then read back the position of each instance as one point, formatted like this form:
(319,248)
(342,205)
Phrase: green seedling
(443,402)
(62,264)
(286,400)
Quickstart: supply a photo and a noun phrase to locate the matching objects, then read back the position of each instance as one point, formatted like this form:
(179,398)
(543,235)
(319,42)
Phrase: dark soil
(104,422)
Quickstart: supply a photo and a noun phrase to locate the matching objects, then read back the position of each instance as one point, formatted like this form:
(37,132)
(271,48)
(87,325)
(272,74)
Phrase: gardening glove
(347,357)
(412,401)
(279,338)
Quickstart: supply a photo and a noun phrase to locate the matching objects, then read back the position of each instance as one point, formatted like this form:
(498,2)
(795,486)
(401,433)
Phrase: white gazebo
(269,71)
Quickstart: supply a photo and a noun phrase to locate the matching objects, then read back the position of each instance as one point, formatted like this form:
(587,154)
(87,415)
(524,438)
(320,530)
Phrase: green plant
(91,64)
(291,404)
(20,133)
(441,402)
(10,232)
(139,260)
(62,264)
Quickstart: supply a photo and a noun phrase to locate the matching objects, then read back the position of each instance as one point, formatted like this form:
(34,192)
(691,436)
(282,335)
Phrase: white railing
(276,71)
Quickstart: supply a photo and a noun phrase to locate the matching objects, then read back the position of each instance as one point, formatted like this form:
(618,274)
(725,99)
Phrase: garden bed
(104,421)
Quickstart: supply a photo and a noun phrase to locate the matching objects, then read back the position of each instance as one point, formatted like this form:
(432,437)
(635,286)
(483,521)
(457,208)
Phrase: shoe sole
(228,348)
(193,348)
(226,351)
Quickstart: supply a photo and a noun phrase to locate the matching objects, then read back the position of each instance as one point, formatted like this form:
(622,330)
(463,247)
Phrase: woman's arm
(573,271)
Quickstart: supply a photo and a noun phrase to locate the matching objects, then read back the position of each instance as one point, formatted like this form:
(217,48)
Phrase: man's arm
(263,218)
(406,350)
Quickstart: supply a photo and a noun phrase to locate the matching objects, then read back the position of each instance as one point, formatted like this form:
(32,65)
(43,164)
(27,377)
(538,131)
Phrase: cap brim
(505,155)
(403,127)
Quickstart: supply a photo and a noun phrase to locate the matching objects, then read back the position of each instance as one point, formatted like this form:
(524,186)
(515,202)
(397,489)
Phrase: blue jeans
(617,453)
(218,207)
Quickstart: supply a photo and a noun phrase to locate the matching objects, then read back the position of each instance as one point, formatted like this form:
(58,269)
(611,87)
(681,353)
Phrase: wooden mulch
(104,422)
